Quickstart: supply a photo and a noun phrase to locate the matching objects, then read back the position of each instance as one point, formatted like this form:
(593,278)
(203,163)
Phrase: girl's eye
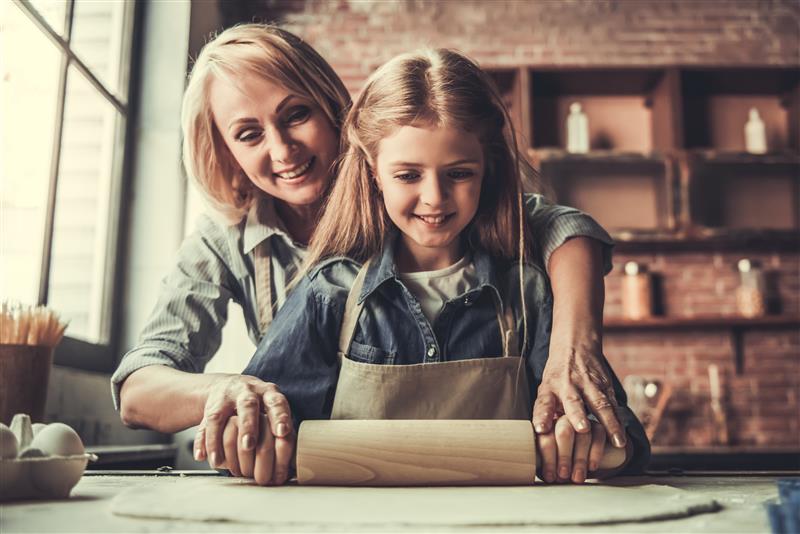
(298,114)
(246,136)
(460,174)
(406,176)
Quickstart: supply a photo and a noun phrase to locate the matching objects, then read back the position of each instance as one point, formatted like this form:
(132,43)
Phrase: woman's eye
(406,176)
(298,114)
(248,135)
(460,174)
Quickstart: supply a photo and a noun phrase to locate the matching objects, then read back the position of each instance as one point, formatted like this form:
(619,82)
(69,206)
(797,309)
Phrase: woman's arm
(576,252)
(576,375)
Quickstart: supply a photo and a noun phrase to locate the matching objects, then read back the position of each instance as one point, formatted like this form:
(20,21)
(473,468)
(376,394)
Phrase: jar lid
(632,268)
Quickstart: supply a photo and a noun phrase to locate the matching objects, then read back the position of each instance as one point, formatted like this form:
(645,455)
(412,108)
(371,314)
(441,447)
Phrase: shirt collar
(262,222)
(383,268)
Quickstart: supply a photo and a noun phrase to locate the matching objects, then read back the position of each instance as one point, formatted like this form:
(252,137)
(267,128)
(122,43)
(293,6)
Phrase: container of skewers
(28,336)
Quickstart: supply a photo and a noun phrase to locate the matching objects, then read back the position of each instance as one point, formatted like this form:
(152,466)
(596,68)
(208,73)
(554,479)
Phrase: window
(63,118)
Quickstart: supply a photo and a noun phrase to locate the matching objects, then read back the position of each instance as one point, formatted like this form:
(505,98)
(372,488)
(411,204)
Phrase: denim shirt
(299,352)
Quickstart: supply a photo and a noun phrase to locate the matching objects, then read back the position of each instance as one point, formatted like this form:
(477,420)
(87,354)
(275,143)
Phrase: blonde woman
(261,121)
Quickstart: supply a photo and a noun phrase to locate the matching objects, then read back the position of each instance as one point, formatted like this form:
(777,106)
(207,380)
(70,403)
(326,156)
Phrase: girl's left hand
(568,456)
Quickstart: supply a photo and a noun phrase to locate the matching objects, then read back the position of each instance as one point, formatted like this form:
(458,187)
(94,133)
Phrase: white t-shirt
(433,288)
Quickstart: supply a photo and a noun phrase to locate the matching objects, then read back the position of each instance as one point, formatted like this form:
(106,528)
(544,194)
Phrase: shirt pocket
(369,354)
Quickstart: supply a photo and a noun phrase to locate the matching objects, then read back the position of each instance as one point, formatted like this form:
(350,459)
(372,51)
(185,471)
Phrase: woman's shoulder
(534,279)
(333,276)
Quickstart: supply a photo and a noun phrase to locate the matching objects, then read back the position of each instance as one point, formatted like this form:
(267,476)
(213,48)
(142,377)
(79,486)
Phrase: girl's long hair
(429,88)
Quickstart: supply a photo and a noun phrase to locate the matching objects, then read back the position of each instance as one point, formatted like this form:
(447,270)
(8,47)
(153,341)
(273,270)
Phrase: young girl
(262,116)
(422,297)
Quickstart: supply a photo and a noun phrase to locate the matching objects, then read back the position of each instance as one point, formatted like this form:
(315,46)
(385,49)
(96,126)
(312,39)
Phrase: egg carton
(39,461)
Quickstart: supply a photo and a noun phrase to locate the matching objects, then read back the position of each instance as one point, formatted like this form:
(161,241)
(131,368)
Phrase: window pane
(28,102)
(54,12)
(99,38)
(78,267)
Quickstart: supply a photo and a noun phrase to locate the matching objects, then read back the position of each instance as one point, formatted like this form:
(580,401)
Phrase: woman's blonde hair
(427,88)
(259,50)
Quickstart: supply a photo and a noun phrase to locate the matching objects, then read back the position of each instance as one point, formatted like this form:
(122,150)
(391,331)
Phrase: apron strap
(263,267)
(508,332)
(352,310)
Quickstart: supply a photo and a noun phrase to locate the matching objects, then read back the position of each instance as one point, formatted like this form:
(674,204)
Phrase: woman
(261,122)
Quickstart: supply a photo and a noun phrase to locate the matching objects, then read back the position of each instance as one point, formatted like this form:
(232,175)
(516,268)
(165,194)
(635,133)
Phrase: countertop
(88,509)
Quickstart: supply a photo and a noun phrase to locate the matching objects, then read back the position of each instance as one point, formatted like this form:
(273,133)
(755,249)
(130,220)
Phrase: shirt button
(431,351)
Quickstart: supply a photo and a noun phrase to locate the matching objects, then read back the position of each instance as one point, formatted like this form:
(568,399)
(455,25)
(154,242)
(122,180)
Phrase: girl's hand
(248,398)
(268,463)
(567,456)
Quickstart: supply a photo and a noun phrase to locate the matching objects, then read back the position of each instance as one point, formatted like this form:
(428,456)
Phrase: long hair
(426,88)
(260,50)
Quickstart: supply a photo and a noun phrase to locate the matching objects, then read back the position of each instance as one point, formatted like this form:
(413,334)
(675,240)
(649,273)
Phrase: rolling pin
(426,452)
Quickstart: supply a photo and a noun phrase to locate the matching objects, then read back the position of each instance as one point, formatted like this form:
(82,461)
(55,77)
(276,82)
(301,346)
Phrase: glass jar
(637,292)
(751,293)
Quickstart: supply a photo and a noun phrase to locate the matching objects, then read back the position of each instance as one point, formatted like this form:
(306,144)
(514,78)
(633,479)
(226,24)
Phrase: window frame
(75,352)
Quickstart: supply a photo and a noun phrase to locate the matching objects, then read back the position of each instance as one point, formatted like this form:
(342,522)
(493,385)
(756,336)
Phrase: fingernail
(563,472)
(618,440)
(247,442)
(580,476)
(283,429)
(212,459)
(582,425)
(593,466)
(549,476)
(197,454)
(539,428)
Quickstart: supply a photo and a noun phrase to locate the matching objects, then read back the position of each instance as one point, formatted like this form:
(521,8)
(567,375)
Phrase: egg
(58,439)
(8,443)
(37,427)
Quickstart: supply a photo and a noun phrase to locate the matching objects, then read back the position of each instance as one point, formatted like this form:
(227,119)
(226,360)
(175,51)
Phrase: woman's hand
(566,455)
(248,398)
(574,379)
(269,463)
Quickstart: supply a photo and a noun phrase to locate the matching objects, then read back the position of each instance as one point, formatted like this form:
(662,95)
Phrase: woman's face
(283,142)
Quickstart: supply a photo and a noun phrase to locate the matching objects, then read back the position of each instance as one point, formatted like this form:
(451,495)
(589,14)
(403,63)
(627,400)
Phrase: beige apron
(479,388)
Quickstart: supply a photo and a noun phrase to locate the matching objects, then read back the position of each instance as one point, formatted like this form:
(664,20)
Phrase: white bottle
(577,130)
(755,135)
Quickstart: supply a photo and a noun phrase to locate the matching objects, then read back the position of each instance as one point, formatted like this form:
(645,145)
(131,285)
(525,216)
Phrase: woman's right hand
(247,398)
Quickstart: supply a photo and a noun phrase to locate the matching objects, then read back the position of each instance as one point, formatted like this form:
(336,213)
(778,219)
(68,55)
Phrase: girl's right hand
(250,399)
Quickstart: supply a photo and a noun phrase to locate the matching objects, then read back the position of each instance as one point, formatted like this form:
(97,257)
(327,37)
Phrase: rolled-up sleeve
(184,329)
(553,225)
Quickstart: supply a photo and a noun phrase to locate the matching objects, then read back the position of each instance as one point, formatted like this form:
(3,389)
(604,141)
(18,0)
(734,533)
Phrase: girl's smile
(431,183)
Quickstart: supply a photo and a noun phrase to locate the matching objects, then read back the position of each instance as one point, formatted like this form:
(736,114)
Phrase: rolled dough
(239,500)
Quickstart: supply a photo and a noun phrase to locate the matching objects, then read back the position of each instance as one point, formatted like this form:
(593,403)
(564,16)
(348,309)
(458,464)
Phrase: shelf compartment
(741,191)
(622,191)
(716,103)
(630,109)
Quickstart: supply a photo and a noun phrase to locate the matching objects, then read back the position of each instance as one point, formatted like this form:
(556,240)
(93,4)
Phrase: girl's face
(431,184)
(283,142)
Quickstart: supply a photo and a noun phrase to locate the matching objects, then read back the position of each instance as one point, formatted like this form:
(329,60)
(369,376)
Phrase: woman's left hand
(567,456)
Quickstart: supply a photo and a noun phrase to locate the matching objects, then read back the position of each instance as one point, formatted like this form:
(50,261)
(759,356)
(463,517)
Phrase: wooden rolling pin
(421,453)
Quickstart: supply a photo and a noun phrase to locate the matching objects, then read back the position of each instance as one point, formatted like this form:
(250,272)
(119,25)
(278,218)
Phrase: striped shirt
(216,264)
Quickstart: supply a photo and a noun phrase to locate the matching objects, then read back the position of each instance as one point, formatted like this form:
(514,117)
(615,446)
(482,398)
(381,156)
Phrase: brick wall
(762,402)
(357,36)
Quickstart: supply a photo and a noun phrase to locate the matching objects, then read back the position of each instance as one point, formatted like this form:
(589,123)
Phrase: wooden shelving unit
(667,166)
(701,321)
